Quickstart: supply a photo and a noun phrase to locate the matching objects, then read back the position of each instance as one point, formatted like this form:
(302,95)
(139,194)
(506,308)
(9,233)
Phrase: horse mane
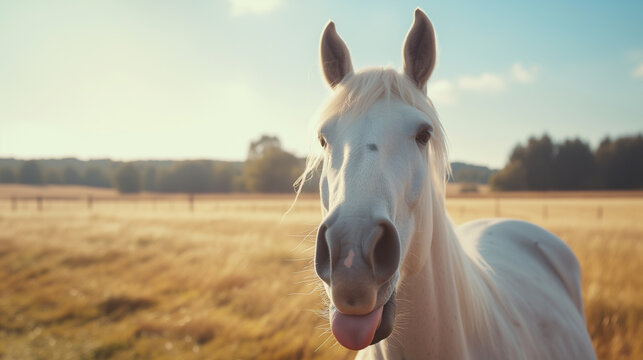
(358,92)
(479,299)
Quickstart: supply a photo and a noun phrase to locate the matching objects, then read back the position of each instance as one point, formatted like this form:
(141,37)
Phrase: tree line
(268,168)
(541,164)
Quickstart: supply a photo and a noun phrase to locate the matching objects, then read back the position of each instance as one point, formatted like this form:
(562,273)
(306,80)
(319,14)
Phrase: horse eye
(423,137)
(322,141)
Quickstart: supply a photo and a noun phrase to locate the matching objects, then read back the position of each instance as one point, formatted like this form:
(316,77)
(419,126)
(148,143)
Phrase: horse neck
(442,304)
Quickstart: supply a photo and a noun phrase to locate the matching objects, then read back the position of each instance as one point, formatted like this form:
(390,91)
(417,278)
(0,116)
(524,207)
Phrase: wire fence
(528,208)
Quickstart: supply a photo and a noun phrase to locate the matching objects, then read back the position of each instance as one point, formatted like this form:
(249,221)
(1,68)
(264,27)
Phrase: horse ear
(335,58)
(419,53)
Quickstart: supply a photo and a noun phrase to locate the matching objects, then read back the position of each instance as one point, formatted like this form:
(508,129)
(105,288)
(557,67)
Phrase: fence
(461,208)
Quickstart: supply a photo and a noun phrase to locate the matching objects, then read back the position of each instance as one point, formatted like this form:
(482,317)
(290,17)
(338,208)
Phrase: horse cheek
(415,187)
(323,192)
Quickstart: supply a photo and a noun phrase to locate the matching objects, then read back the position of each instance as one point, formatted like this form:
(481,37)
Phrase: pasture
(153,278)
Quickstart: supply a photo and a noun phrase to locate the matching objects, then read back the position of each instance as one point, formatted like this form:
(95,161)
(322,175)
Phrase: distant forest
(538,165)
(541,164)
(268,168)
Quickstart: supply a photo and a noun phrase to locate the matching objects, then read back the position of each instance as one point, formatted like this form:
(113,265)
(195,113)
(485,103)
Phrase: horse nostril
(385,253)
(322,255)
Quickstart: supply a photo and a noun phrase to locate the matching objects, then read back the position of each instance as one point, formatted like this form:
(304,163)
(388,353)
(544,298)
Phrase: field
(225,277)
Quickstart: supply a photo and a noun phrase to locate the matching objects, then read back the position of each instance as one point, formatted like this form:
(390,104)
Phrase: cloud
(253,7)
(445,91)
(485,82)
(638,71)
(442,91)
(523,74)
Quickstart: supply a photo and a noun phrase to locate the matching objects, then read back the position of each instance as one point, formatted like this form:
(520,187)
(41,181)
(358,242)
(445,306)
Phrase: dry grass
(150,279)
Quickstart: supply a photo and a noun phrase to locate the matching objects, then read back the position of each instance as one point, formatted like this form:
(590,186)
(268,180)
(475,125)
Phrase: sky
(201,79)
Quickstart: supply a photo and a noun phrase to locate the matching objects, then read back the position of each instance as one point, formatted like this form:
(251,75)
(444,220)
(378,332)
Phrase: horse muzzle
(358,259)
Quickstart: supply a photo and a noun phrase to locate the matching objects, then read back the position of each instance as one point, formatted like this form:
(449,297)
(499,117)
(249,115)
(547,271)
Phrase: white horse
(404,283)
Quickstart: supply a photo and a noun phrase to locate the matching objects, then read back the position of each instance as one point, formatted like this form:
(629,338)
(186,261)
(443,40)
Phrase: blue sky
(201,79)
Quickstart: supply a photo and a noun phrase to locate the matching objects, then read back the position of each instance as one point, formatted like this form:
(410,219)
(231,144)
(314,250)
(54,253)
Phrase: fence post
(191,200)
(545,212)
(497,207)
(90,200)
(39,201)
(14,203)
(599,212)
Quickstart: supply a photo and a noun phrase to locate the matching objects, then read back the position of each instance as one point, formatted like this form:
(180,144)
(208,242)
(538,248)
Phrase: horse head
(381,139)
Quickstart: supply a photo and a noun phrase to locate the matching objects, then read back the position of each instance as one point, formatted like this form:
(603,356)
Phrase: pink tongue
(355,331)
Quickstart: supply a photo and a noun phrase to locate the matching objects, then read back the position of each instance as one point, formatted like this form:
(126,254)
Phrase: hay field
(147,278)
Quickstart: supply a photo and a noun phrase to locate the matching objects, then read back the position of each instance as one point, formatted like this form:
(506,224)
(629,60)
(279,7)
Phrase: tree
(194,176)
(620,162)
(52,176)
(94,176)
(512,177)
(71,176)
(7,176)
(541,165)
(574,165)
(224,175)
(150,182)
(188,177)
(538,162)
(30,173)
(263,144)
(530,167)
(128,179)
(269,168)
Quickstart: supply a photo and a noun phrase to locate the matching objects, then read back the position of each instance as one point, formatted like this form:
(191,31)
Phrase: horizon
(158,81)
(171,160)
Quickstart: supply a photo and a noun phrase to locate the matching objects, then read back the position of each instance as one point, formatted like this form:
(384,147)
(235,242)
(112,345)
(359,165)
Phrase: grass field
(146,277)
